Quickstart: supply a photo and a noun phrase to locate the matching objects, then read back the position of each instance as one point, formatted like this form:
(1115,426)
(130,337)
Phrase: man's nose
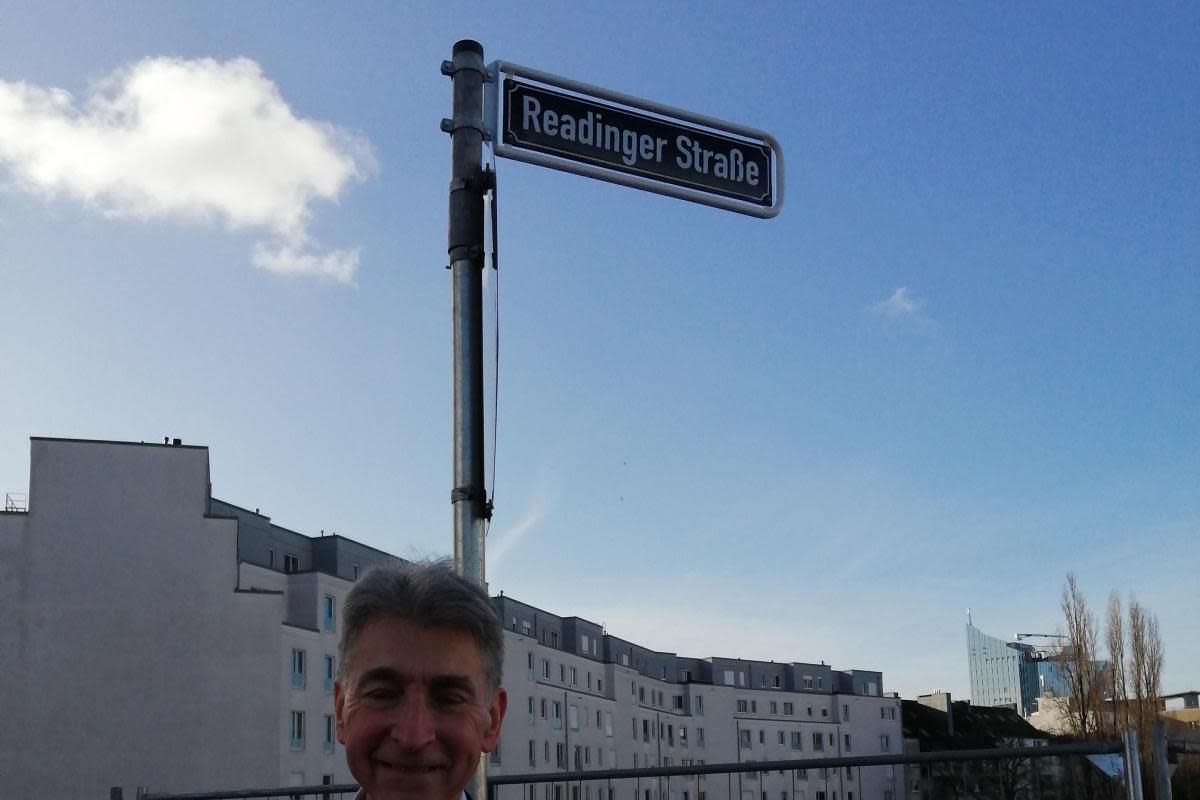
(412,727)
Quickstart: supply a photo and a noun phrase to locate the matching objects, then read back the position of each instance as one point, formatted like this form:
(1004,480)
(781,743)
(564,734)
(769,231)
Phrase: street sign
(556,122)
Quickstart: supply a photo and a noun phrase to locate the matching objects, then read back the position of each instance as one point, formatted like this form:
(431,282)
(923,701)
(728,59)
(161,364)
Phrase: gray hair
(431,594)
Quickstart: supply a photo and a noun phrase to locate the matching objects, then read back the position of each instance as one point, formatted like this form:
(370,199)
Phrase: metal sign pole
(466,278)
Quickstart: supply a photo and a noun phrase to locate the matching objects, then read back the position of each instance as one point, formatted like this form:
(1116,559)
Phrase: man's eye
(450,699)
(380,695)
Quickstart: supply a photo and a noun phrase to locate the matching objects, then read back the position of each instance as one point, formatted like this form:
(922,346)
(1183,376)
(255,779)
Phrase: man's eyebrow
(459,682)
(387,674)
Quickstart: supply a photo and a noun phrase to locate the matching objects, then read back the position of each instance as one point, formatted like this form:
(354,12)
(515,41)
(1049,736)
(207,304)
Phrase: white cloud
(900,304)
(191,141)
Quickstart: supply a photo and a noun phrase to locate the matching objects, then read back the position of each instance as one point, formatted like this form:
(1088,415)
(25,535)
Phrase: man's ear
(496,711)
(339,702)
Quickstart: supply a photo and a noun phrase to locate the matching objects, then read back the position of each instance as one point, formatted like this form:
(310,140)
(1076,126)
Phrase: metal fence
(1074,771)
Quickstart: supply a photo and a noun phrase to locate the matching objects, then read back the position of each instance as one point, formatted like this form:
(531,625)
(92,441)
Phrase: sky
(963,361)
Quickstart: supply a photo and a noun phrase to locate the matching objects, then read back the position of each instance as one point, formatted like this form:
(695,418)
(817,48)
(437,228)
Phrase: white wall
(128,656)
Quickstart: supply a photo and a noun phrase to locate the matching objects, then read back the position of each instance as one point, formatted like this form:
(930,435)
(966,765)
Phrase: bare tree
(1078,665)
(1118,683)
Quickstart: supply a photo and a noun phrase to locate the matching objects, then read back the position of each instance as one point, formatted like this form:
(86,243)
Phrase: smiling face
(414,711)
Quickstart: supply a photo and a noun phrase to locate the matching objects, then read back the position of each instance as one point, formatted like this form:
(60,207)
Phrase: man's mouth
(408,769)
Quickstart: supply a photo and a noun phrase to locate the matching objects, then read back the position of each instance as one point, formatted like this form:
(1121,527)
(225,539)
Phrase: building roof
(974,726)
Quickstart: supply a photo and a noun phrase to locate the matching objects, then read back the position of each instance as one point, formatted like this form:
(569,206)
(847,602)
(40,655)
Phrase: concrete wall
(129,656)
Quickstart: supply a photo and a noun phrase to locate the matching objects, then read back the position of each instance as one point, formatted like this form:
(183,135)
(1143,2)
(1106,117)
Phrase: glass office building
(1011,674)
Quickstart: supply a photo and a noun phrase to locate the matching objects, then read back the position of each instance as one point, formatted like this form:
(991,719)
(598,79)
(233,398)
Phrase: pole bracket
(448,69)
(460,493)
(451,126)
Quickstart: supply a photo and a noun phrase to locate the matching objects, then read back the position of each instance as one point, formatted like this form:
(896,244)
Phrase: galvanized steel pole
(465,242)
(1133,766)
(466,278)
(1162,766)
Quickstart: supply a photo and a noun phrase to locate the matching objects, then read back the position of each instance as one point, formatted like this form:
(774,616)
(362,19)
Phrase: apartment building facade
(581,700)
(161,637)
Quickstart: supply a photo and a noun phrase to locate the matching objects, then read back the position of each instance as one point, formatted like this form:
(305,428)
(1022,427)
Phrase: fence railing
(1001,774)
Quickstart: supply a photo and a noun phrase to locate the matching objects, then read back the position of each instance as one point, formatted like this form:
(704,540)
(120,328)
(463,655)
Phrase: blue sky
(963,361)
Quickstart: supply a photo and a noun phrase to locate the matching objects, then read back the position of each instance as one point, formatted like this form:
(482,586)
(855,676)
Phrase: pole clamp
(451,126)
(448,69)
(459,493)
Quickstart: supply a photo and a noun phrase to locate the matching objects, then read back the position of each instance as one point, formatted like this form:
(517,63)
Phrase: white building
(159,637)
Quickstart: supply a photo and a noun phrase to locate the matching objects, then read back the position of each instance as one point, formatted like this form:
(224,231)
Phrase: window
(849,773)
(685,675)
(327,779)
(572,677)
(741,679)
(846,737)
(845,713)
(543,708)
(699,737)
(775,681)
(600,685)
(554,638)
(820,681)
(544,668)
(532,753)
(329,730)
(624,660)
(583,640)
(526,628)
(677,702)
(645,730)
(329,674)
(818,742)
(808,684)
(744,738)
(589,679)
(327,606)
(741,706)
(271,557)
(670,736)
(824,712)
(531,712)
(810,711)
(297,730)
(683,736)
(354,571)
(556,708)
(797,740)
(774,707)
(587,756)
(298,669)
(578,752)
(562,673)
(612,759)
(882,712)
(801,774)
(781,737)
(291,564)
(573,717)
(560,756)
(642,694)
(753,706)
(698,704)
(788,709)
(729,677)
(885,746)
(608,723)
(762,736)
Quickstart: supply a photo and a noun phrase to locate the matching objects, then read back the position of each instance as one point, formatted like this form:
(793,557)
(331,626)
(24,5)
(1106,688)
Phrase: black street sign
(584,130)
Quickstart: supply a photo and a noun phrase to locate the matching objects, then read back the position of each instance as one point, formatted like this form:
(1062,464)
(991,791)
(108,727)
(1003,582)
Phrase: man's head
(418,694)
